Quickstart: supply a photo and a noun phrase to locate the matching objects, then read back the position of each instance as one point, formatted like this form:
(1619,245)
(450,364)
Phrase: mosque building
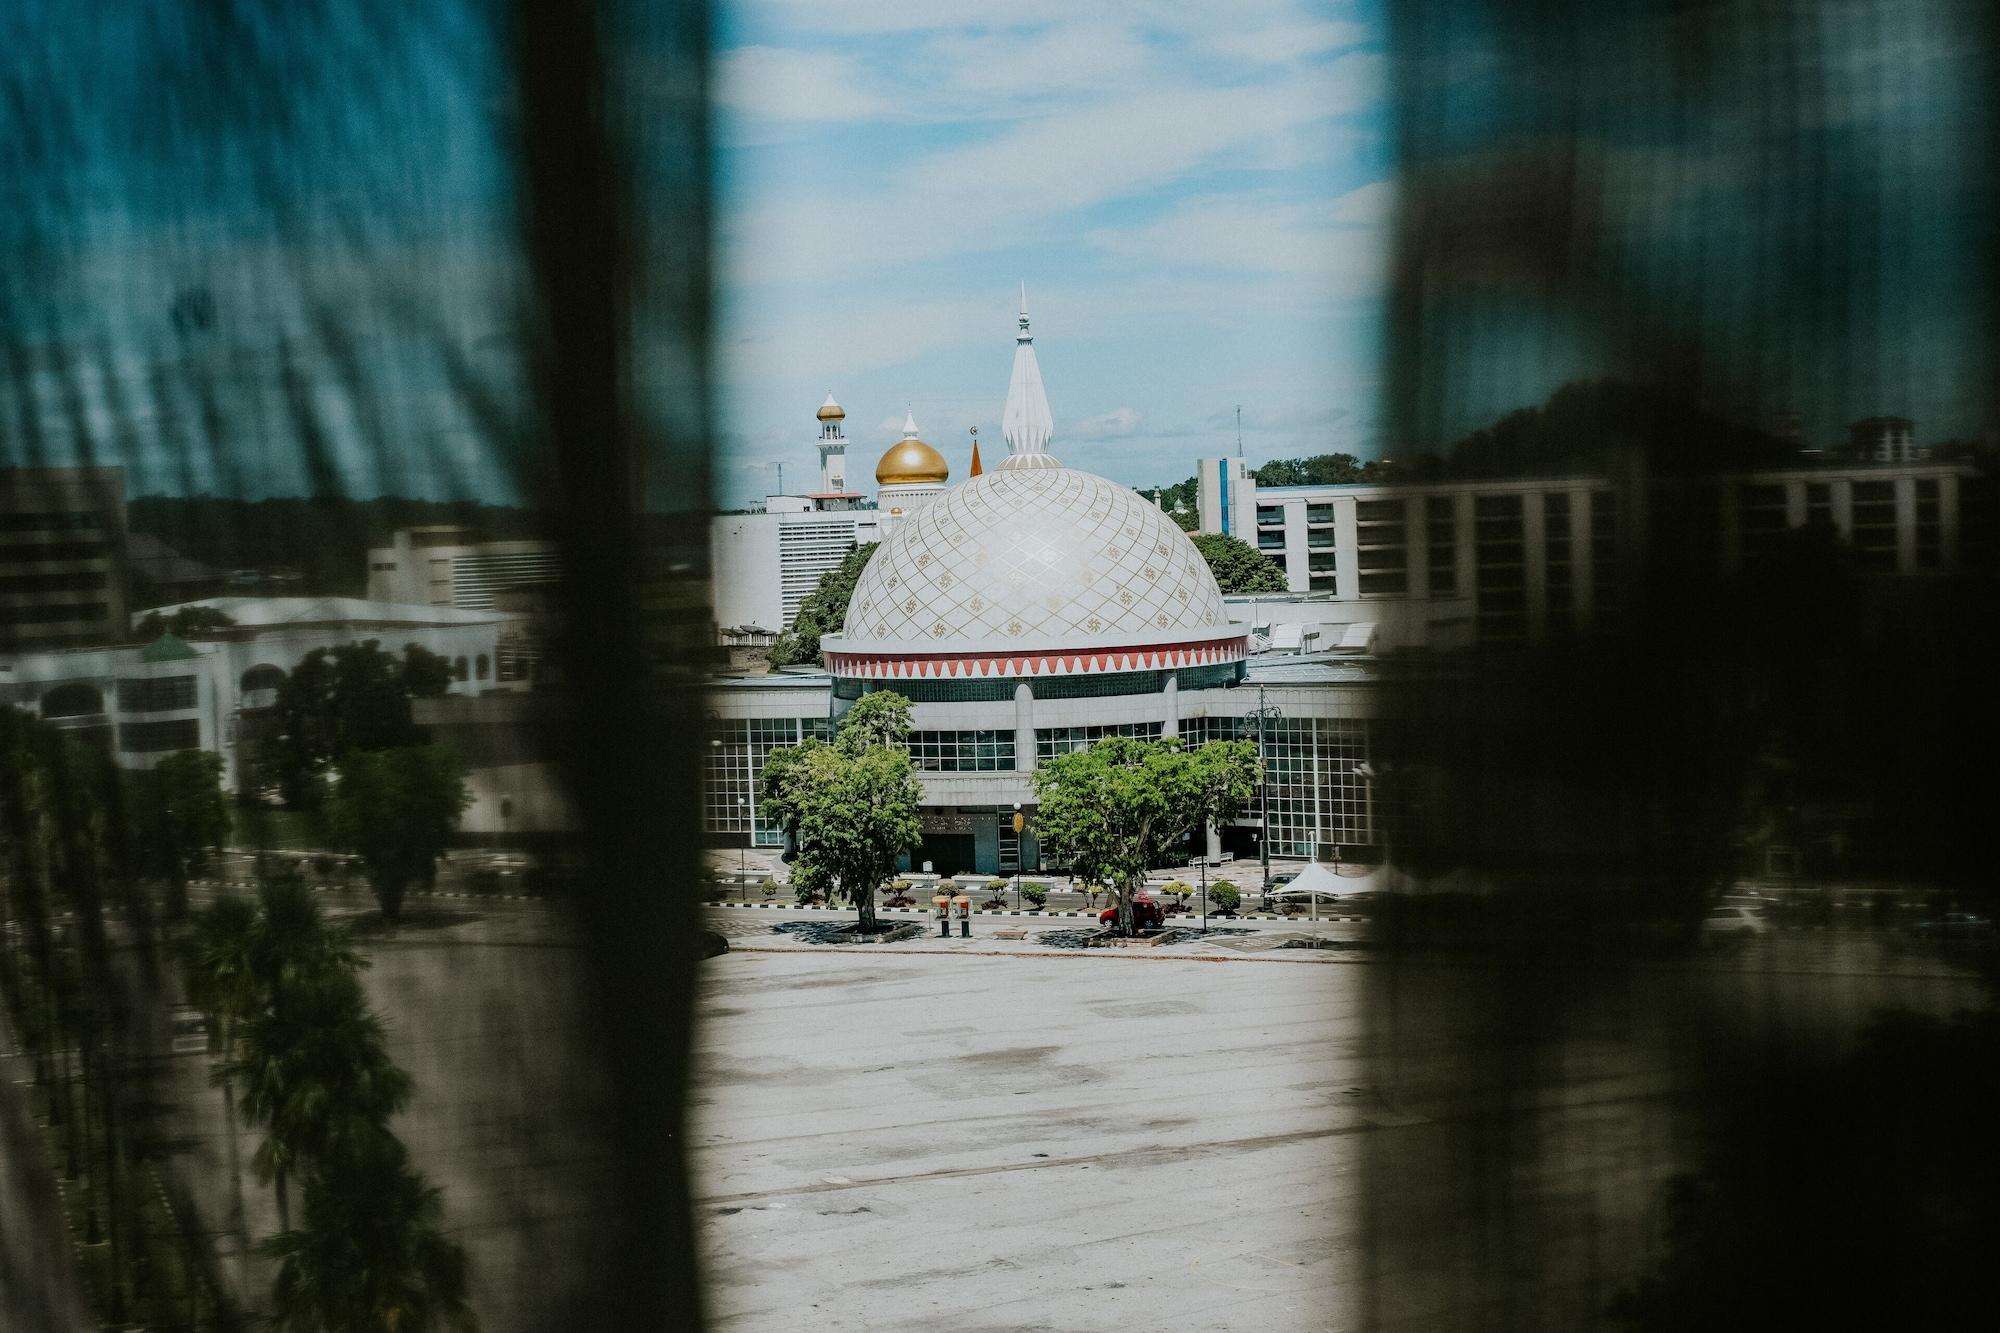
(1026,612)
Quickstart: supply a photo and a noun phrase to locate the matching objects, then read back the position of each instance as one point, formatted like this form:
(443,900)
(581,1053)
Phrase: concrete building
(1028,612)
(437,565)
(210,691)
(764,566)
(1884,440)
(1530,557)
(62,557)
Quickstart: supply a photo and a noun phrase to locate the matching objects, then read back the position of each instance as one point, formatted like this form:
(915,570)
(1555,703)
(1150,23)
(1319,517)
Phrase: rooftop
(269,612)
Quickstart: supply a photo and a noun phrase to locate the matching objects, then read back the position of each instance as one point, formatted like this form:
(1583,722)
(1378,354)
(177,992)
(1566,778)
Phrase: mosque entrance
(948,853)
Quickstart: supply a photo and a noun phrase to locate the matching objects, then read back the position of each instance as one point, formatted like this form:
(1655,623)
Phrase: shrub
(770,889)
(996,885)
(1180,891)
(899,886)
(806,897)
(1225,899)
(1038,894)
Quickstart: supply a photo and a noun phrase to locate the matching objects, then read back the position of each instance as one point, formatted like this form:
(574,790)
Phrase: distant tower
(976,469)
(832,448)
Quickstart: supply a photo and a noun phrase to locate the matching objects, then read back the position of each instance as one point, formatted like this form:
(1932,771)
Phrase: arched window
(76,699)
(458,669)
(265,677)
(481,667)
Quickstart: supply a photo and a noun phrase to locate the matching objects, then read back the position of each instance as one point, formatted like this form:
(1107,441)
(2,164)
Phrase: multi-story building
(438,566)
(1026,613)
(1884,440)
(212,690)
(1534,556)
(62,557)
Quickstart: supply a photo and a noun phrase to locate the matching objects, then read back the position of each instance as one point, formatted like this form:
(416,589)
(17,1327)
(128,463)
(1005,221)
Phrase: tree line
(850,807)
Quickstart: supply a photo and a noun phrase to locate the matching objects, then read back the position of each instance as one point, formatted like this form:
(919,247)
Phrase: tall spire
(910,421)
(976,469)
(1026,423)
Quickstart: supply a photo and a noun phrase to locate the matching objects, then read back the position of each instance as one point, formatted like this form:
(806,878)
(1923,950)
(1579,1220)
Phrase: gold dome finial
(910,461)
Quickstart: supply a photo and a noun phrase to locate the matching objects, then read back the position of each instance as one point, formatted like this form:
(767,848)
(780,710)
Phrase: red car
(1146,913)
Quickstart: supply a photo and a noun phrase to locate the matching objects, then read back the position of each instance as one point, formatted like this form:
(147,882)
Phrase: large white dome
(1029,559)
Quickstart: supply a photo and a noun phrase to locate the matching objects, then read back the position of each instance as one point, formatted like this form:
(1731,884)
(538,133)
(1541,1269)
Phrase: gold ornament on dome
(1124,597)
(1013,627)
(944,580)
(1093,624)
(1150,572)
(978,603)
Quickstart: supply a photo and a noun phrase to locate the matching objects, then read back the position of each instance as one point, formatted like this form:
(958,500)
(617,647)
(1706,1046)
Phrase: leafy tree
(184,622)
(1238,566)
(851,806)
(1582,424)
(1038,894)
(1319,470)
(315,1076)
(397,809)
(355,696)
(178,816)
(1122,805)
(372,1256)
(823,612)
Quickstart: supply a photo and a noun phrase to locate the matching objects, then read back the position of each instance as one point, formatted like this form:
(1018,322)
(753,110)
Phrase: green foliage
(823,612)
(881,717)
(1123,805)
(1180,890)
(851,807)
(1038,894)
(339,700)
(1319,470)
(1238,566)
(373,1254)
(178,816)
(1224,897)
(397,809)
(189,620)
(1582,425)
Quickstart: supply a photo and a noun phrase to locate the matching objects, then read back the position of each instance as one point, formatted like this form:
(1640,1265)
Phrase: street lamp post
(1262,712)
(743,852)
(1020,822)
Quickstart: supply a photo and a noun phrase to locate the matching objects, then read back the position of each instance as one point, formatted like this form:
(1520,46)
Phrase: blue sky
(1195,196)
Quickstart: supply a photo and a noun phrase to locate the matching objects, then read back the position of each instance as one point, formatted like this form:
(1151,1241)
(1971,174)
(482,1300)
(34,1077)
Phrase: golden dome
(830,410)
(909,462)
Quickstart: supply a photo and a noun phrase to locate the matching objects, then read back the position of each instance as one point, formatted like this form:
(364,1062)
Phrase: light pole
(1263,712)
(1020,822)
(743,852)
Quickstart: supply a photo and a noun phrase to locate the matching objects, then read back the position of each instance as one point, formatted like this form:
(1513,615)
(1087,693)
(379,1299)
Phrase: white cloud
(1116,424)
(1294,41)
(1260,234)
(773,83)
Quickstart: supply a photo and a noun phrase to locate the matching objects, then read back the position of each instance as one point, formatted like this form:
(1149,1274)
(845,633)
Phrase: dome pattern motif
(1034,557)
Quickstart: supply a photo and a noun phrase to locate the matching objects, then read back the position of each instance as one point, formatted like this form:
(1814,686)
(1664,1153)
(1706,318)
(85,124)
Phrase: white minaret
(1026,423)
(832,448)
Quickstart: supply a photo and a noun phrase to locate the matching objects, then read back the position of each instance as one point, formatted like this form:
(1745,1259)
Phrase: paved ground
(979,1136)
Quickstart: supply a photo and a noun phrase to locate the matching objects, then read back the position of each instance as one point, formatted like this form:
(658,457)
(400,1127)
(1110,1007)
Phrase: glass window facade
(158,695)
(159,737)
(962,751)
(1052,741)
(1316,798)
(736,754)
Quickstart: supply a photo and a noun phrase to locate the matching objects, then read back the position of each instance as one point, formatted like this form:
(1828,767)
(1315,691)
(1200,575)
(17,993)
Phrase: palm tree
(222,985)
(371,1257)
(315,1075)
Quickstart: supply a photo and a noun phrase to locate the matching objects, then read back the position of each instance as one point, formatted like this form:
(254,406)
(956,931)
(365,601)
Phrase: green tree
(315,1076)
(1319,470)
(1119,807)
(372,1256)
(355,696)
(178,816)
(823,612)
(850,807)
(397,810)
(1238,566)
